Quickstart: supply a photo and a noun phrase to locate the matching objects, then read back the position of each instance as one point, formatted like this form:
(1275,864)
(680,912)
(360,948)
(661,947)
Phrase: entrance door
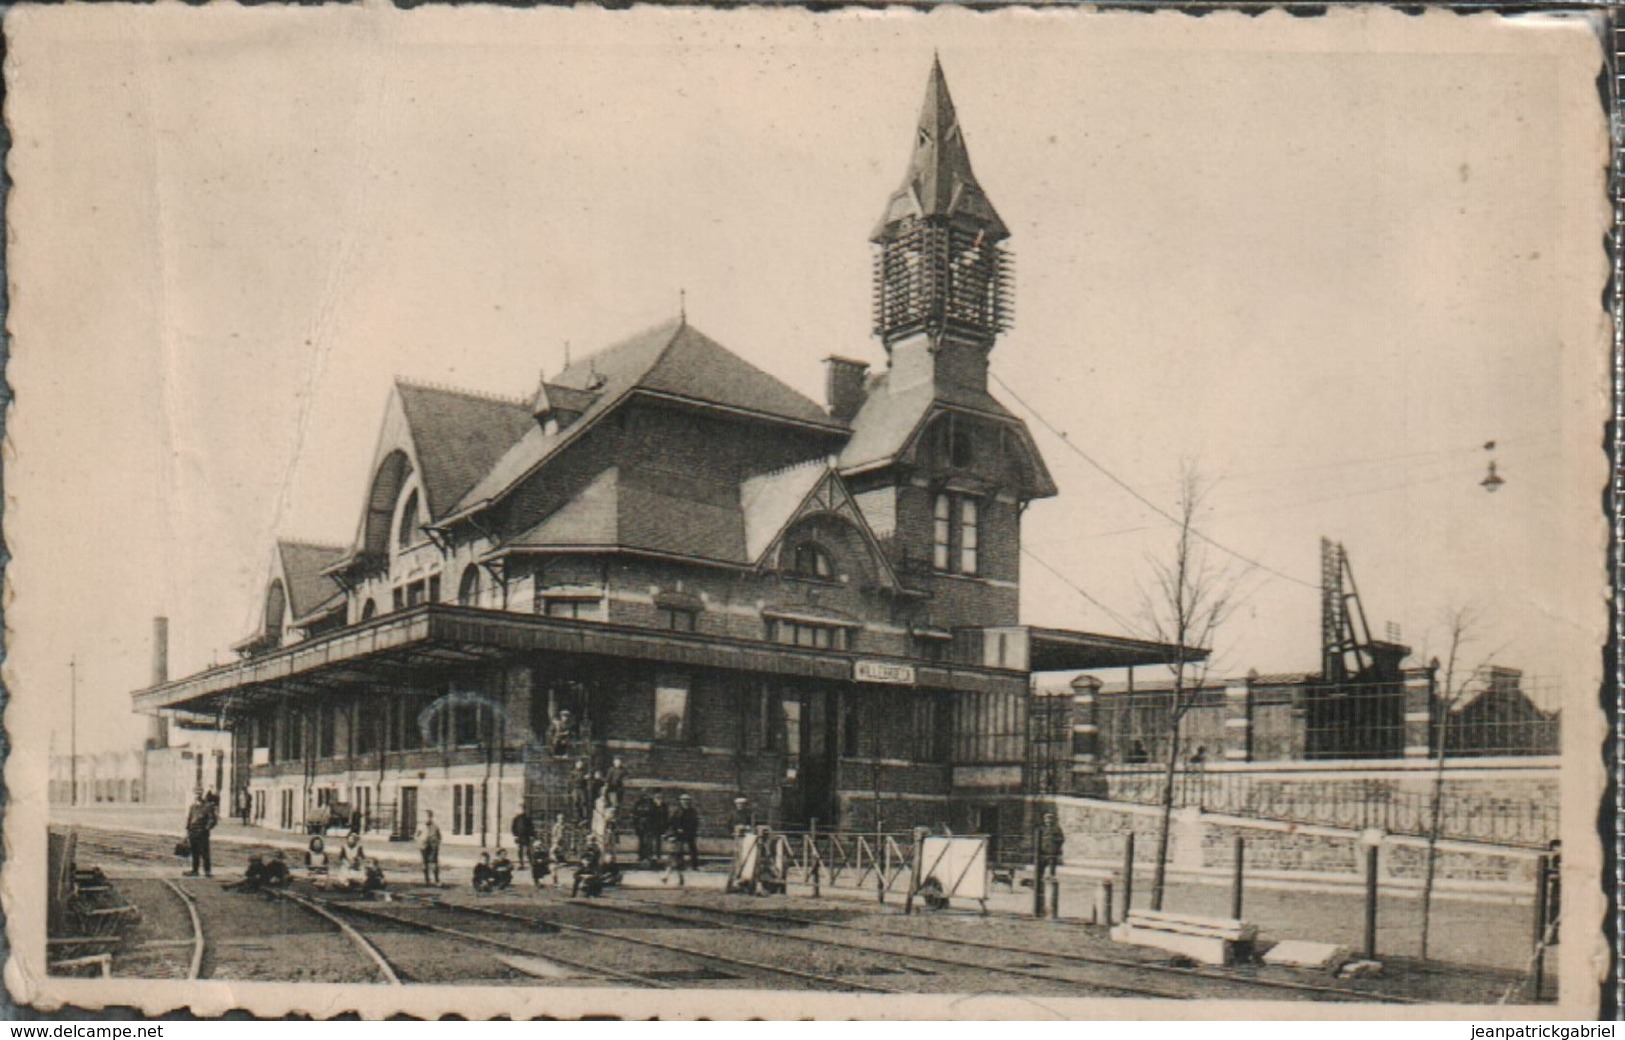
(407,822)
(811,740)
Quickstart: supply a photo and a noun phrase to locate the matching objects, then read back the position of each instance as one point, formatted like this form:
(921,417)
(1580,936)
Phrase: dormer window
(407,533)
(810,560)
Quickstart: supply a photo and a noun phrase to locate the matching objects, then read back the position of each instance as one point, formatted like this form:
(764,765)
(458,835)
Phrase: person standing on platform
(557,838)
(641,810)
(685,827)
(615,784)
(659,823)
(742,821)
(428,839)
(1051,842)
(524,832)
(200,820)
(561,734)
(581,791)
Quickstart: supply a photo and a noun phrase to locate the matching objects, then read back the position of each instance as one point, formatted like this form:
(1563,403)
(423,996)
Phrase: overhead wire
(1148,503)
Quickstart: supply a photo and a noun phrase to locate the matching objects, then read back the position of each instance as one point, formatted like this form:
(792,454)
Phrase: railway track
(647,911)
(1245,983)
(401,916)
(854,947)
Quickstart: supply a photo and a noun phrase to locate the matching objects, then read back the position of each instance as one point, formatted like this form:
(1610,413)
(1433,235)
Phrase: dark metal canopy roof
(1061,650)
(423,643)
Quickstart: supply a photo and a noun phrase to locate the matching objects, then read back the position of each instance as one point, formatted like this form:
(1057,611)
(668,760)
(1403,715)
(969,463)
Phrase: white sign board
(958,864)
(883,672)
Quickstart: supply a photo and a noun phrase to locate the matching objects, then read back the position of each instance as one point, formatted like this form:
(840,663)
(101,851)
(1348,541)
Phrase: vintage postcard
(760,513)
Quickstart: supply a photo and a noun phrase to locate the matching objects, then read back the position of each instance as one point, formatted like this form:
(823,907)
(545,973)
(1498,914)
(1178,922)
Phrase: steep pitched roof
(673,360)
(458,437)
(887,423)
(939,182)
(307,588)
(641,512)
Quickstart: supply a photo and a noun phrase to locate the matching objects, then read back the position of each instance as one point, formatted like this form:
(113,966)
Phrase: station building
(731,588)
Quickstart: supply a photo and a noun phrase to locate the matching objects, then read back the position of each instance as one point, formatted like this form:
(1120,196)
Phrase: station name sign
(883,672)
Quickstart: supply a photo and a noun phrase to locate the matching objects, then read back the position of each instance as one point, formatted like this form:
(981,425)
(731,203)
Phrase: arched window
(369,610)
(811,561)
(468,588)
(410,521)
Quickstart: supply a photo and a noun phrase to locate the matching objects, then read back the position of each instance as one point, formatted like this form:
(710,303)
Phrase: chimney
(157,725)
(843,386)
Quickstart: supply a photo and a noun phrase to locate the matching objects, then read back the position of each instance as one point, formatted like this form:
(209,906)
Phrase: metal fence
(1350,804)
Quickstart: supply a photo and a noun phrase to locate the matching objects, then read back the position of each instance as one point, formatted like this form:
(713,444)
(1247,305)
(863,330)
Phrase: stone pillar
(1419,703)
(1238,720)
(1088,779)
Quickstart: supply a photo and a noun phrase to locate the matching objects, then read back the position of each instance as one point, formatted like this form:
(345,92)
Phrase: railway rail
(842,955)
(1096,987)
(1341,993)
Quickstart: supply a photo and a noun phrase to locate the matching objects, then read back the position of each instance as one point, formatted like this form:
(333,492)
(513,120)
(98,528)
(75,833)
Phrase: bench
(1208,940)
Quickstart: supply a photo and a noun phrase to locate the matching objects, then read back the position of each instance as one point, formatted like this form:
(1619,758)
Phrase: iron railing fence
(1349,804)
(1498,712)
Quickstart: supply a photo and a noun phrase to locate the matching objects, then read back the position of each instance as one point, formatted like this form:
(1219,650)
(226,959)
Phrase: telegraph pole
(73,731)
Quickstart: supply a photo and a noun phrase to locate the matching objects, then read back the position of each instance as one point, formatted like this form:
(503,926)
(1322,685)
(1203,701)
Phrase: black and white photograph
(760,513)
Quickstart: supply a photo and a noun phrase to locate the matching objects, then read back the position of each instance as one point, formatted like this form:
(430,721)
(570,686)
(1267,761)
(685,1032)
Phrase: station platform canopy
(416,645)
(1063,650)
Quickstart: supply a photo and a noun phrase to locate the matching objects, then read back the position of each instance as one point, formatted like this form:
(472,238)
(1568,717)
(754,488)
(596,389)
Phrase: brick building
(728,586)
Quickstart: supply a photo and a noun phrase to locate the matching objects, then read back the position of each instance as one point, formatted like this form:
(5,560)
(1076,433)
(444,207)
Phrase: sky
(1324,259)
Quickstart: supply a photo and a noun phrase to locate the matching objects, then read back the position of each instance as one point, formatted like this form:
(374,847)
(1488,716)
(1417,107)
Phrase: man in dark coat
(581,785)
(1051,841)
(200,820)
(659,823)
(641,811)
(685,827)
(524,832)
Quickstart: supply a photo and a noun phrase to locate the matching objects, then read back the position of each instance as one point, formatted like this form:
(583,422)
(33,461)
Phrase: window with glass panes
(956,523)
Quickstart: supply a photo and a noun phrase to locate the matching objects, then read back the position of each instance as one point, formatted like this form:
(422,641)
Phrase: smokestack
(157,725)
(843,386)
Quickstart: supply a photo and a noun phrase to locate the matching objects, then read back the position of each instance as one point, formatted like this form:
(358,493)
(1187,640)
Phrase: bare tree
(1190,598)
(1461,624)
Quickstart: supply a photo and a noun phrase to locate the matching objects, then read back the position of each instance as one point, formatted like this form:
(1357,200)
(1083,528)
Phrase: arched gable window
(369,610)
(811,560)
(468,588)
(407,534)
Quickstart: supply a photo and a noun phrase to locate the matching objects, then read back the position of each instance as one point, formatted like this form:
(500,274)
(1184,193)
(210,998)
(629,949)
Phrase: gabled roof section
(939,182)
(457,437)
(626,510)
(307,588)
(769,501)
(774,502)
(674,361)
(888,423)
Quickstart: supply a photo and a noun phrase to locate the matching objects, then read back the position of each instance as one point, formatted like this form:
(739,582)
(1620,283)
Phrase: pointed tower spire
(940,182)
(939,269)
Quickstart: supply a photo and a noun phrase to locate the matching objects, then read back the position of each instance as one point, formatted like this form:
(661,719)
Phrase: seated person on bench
(501,870)
(316,856)
(484,876)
